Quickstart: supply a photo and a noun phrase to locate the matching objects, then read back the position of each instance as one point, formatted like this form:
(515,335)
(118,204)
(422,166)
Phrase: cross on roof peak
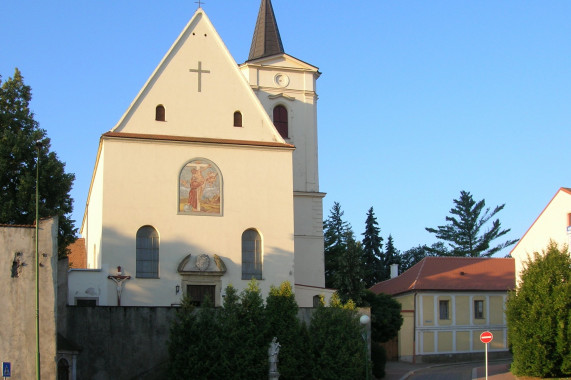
(199,2)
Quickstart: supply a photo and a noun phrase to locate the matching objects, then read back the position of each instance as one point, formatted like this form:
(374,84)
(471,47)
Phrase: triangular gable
(283,60)
(561,192)
(200,86)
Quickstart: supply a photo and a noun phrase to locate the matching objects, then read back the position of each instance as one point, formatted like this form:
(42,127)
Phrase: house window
(444,309)
(147,252)
(281,121)
(160,113)
(251,255)
(479,309)
(237,119)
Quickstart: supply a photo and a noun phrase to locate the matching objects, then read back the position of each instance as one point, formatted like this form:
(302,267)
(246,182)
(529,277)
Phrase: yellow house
(447,302)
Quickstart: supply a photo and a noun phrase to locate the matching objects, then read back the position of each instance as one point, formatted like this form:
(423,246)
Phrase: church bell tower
(285,86)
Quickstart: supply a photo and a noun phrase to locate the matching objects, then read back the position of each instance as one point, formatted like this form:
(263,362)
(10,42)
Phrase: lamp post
(364,321)
(38,375)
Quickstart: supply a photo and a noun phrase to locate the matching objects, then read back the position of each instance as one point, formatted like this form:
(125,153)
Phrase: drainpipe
(414,332)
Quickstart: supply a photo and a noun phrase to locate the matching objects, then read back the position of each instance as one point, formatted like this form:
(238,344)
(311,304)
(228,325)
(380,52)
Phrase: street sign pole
(486,337)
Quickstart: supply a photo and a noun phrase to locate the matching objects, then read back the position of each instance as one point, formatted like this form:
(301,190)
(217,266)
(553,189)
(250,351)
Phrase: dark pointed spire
(266,40)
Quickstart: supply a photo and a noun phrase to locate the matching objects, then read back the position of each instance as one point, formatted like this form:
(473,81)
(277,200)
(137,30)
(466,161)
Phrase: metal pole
(38,376)
(487,361)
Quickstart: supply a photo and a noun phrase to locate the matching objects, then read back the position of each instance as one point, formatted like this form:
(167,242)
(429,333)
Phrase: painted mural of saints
(200,189)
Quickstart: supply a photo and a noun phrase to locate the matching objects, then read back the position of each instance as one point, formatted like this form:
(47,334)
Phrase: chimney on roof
(394,270)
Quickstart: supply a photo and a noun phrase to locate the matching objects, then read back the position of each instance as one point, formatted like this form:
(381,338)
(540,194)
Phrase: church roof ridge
(266,40)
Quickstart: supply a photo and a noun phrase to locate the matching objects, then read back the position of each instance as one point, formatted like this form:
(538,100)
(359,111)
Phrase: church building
(209,179)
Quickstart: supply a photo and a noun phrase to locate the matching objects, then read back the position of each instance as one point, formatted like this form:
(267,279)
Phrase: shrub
(337,347)
(539,316)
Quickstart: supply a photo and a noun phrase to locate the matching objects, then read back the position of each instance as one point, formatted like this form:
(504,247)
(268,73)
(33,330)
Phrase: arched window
(147,252)
(237,119)
(251,255)
(280,120)
(62,369)
(160,113)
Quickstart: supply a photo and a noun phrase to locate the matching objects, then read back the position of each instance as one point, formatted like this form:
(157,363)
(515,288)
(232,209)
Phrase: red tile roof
(78,254)
(452,273)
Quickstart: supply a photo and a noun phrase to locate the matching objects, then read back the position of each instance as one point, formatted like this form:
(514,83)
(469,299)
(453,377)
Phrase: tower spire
(266,40)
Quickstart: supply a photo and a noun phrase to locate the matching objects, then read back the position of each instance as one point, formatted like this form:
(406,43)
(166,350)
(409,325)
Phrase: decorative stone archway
(201,275)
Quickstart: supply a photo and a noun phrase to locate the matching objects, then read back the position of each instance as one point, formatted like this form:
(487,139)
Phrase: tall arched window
(62,369)
(237,119)
(147,252)
(160,113)
(251,255)
(281,121)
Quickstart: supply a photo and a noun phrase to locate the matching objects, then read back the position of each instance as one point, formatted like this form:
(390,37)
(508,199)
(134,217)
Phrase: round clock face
(281,80)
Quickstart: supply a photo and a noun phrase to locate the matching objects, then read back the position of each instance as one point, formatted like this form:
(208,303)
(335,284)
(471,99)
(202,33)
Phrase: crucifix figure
(199,71)
(119,279)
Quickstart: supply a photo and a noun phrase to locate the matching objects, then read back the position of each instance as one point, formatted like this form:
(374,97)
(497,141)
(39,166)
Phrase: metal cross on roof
(199,3)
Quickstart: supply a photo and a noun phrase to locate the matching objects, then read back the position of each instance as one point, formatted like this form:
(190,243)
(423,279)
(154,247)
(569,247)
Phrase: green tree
(348,279)
(463,231)
(281,315)
(372,251)
(539,316)
(392,256)
(21,139)
(386,318)
(334,234)
(336,343)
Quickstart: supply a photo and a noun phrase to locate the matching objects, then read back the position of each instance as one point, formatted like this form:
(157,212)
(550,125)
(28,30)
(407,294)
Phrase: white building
(210,178)
(552,224)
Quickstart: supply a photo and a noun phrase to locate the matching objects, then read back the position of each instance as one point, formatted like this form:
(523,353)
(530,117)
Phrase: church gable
(198,91)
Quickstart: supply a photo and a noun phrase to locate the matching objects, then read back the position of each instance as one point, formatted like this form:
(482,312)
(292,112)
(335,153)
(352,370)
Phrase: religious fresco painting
(200,189)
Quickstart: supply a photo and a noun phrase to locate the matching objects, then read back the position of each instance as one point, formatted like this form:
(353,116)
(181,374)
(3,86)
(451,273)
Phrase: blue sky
(418,99)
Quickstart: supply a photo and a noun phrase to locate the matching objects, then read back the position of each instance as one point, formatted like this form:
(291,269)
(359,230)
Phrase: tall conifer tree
(463,229)
(20,139)
(372,251)
(335,239)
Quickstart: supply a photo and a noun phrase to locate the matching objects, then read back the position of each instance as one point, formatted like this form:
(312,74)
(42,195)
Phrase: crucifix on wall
(200,72)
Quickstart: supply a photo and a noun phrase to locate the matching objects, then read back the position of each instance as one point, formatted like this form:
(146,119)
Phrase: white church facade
(209,179)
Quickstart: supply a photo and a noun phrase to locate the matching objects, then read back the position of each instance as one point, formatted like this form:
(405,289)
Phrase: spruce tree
(334,234)
(21,140)
(392,256)
(348,278)
(372,251)
(463,230)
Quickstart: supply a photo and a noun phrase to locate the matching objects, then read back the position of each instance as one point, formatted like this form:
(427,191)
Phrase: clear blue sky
(418,99)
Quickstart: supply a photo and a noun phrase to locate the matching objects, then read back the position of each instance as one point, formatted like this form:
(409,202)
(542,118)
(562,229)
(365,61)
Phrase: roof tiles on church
(266,40)
(453,274)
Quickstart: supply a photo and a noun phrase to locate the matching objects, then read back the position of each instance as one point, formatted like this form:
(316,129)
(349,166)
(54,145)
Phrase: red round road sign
(486,337)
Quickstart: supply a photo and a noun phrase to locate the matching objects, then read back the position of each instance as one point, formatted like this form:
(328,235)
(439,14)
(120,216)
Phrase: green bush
(337,347)
(539,316)
(232,342)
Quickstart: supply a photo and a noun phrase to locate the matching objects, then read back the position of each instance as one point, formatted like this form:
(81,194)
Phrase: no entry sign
(486,337)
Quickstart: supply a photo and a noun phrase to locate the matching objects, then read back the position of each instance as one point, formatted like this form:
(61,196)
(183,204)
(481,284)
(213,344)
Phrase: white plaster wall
(91,230)
(18,294)
(304,294)
(208,113)
(551,224)
(141,188)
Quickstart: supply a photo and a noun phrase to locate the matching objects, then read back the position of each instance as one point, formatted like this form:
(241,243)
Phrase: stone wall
(18,297)
(120,342)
